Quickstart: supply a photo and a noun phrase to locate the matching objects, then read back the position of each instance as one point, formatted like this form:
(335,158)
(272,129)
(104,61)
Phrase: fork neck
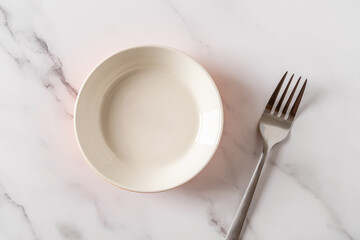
(266,148)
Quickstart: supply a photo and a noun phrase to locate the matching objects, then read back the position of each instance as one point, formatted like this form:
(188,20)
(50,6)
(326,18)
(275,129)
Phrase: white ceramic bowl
(148,119)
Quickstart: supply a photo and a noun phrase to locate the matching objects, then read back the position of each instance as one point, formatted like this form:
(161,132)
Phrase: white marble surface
(310,187)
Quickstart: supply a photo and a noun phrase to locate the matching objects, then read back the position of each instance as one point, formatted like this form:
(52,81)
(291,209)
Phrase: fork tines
(295,105)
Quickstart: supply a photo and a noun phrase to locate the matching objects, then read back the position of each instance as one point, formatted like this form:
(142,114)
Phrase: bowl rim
(221,120)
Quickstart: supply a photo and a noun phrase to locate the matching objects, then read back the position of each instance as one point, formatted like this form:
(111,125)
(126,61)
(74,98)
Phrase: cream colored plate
(148,119)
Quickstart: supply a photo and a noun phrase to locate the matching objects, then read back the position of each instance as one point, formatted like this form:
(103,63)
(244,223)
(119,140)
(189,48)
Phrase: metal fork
(274,127)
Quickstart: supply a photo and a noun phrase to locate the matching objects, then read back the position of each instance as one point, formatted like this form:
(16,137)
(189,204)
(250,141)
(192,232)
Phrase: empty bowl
(148,119)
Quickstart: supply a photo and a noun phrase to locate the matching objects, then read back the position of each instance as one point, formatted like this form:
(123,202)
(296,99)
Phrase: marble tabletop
(310,185)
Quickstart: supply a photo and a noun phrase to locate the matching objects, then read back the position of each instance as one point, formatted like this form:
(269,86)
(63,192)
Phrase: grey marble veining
(309,188)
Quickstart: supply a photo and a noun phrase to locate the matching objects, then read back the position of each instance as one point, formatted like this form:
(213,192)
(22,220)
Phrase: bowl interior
(148,119)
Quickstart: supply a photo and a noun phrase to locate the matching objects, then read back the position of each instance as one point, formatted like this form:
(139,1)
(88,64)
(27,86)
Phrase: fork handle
(240,215)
